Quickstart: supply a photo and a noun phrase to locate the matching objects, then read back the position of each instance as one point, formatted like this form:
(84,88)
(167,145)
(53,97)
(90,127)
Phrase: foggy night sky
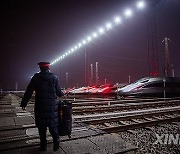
(41,30)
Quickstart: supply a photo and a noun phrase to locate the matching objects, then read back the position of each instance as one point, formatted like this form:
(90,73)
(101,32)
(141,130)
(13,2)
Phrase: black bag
(65,118)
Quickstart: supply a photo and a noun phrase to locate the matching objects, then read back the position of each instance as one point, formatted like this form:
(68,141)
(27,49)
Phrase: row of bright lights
(117,20)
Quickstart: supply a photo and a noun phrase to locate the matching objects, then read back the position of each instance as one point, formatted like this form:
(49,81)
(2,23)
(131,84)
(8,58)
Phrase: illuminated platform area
(19,135)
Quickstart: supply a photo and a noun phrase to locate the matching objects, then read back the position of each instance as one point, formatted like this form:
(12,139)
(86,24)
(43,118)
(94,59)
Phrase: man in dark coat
(46,87)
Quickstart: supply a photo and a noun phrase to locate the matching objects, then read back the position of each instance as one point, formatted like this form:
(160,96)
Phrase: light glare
(101,30)
(79,45)
(108,25)
(94,34)
(117,20)
(89,38)
(128,13)
(72,49)
(140,4)
(84,41)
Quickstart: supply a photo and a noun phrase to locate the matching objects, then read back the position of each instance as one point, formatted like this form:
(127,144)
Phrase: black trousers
(42,134)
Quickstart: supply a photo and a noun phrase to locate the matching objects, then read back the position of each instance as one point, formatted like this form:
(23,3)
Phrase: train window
(144,81)
(153,85)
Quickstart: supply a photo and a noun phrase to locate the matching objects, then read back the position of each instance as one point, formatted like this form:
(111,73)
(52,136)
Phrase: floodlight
(128,13)
(117,20)
(84,42)
(140,4)
(89,38)
(101,30)
(94,34)
(108,25)
(72,49)
(79,45)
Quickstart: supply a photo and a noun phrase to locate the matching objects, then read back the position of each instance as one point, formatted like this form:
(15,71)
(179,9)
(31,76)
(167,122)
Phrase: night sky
(41,30)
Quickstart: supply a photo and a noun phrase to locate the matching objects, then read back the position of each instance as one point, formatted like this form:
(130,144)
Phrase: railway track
(100,106)
(110,116)
(139,125)
(116,106)
(132,120)
(103,122)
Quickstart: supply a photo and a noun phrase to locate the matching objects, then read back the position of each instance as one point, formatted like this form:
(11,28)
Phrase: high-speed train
(153,87)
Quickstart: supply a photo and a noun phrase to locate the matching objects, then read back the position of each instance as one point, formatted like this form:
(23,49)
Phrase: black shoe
(43,148)
(56,146)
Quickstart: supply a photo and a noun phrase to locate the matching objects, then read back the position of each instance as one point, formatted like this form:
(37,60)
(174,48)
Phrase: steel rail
(125,113)
(139,125)
(122,107)
(128,117)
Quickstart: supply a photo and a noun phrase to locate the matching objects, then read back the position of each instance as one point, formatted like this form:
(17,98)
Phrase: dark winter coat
(46,87)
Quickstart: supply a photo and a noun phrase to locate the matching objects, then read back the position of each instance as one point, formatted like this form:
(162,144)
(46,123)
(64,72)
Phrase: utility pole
(85,72)
(173,75)
(66,79)
(97,77)
(129,78)
(105,81)
(16,86)
(166,53)
(85,67)
(91,70)
(172,70)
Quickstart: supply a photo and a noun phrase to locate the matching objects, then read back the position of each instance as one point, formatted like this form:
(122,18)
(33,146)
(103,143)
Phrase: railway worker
(46,87)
